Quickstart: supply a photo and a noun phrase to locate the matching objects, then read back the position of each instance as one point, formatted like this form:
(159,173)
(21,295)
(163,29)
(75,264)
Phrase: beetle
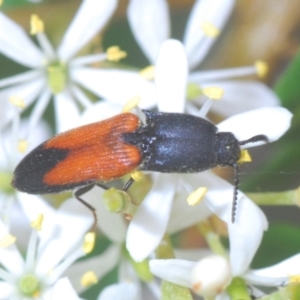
(103,151)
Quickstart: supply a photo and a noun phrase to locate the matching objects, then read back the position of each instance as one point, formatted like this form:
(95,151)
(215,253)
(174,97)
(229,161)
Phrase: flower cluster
(139,245)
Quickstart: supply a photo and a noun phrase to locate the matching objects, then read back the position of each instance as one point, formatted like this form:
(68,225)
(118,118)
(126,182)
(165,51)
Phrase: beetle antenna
(235,191)
(254,139)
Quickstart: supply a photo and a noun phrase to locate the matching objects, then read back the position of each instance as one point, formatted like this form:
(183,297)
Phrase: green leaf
(284,241)
(288,87)
(14,3)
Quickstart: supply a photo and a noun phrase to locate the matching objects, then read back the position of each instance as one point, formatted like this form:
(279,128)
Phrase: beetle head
(228,149)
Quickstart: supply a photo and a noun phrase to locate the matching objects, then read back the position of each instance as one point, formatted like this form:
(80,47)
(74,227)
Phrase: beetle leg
(103,186)
(78,195)
(128,184)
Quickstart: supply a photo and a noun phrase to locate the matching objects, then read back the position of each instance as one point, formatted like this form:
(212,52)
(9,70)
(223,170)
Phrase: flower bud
(210,276)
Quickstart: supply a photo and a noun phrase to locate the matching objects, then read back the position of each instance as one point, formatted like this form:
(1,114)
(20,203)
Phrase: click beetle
(103,151)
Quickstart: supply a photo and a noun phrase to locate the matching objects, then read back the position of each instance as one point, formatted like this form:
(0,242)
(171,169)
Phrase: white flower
(58,73)
(150,222)
(155,215)
(113,226)
(180,271)
(150,24)
(14,144)
(276,275)
(208,277)
(50,252)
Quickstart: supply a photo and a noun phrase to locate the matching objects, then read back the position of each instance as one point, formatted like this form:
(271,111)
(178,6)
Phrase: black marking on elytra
(29,174)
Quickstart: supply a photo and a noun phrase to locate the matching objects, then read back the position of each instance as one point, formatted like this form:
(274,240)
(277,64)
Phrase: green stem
(141,268)
(291,197)
(238,290)
(212,239)
(170,291)
(165,249)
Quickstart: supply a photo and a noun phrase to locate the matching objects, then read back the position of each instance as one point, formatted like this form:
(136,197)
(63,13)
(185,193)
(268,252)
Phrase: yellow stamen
(245,157)
(294,278)
(37,223)
(196,197)
(7,240)
(22,146)
(1,2)
(137,175)
(36,25)
(36,295)
(214,93)
(17,101)
(115,54)
(131,104)
(88,279)
(89,242)
(262,68)
(148,72)
(209,29)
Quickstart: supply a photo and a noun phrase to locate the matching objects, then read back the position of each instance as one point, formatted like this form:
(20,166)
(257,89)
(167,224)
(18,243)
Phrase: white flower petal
(39,134)
(33,206)
(205,280)
(246,233)
(20,226)
(15,44)
(10,257)
(118,86)
(27,91)
(80,96)
(38,110)
(100,111)
(215,12)
(61,290)
(150,25)
(149,224)
(91,16)
(66,112)
(275,274)
(111,224)
(126,272)
(28,76)
(193,254)
(271,121)
(171,77)
(88,59)
(241,96)
(54,247)
(6,290)
(120,291)
(173,270)
(184,215)
(222,74)
(223,296)
(100,265)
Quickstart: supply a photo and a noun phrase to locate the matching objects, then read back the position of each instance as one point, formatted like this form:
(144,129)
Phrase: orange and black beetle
(92,154)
